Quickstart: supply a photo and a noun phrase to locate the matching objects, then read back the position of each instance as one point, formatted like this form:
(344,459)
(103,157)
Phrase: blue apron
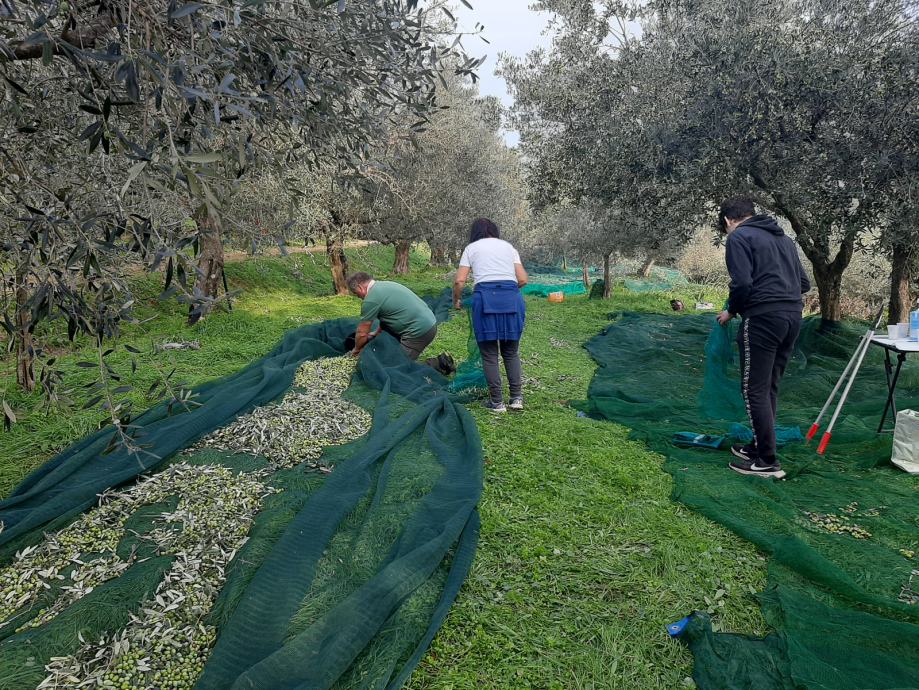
(498,311)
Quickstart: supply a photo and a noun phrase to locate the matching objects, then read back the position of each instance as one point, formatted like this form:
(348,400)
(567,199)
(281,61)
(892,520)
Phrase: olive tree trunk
(828,276)
(400,263)
(901,297)
(645,270)
(338,263)
(585,276)
(829,291)
(210,267)
(607,279)
(25,352)
(438,255)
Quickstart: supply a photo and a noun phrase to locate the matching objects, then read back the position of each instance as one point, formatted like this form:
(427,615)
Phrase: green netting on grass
(547,279)
(340,580)
(539,289)
(470,376)
(553,271)
(661,279)
(842,531)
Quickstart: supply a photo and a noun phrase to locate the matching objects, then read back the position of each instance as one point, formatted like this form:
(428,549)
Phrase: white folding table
(902,348)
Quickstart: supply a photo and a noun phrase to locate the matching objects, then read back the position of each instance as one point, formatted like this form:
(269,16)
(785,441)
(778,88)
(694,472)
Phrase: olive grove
(120,121)
(664,108)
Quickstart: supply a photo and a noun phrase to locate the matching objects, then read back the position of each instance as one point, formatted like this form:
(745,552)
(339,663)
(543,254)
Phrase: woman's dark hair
(482,228)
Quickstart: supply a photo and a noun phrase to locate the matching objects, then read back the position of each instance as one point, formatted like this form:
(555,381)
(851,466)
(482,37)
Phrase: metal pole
(845,393)
(863,344)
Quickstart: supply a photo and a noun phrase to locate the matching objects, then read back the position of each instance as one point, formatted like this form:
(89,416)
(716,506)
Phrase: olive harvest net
(660,279)
(306,523)
(841,531)
(548,279)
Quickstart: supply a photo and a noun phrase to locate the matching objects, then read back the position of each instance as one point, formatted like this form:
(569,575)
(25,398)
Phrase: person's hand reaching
(724,317)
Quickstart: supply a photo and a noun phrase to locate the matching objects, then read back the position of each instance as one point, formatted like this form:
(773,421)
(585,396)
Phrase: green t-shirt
(399,309)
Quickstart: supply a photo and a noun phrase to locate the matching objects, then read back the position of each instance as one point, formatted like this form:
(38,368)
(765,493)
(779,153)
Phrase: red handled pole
(861,352)
(862,344)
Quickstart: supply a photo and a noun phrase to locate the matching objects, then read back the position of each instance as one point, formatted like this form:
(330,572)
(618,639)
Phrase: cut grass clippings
(583,559)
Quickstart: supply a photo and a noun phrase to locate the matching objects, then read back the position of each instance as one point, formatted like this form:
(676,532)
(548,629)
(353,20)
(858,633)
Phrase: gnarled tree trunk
(901,298)
(338,263)
(828,276)
(400,263)
(585,276)
(25,352)
(607,278)
(438,255)
(210,266)
(829,288)
(645,270)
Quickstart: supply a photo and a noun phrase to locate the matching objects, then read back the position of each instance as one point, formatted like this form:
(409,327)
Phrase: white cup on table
(893,331)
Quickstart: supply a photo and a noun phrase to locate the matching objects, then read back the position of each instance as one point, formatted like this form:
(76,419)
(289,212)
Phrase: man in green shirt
(401,313)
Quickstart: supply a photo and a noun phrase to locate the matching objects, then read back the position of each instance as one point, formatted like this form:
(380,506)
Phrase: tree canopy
(121,120)
(665,108)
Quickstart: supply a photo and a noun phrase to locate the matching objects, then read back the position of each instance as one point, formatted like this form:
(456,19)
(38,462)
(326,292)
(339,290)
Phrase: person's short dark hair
(735,208)
(482,228)
(355,280)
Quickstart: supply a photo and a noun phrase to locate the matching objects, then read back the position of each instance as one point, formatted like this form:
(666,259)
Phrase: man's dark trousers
(766,344)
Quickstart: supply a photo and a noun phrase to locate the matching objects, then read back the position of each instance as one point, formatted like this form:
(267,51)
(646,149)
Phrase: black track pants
(766,344)
(510,353)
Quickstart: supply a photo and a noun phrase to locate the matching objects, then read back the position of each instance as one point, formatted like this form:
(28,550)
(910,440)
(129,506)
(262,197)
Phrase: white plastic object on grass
(906,442)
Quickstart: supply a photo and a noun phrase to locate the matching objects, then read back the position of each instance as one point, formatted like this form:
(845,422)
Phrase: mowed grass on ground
(583,558)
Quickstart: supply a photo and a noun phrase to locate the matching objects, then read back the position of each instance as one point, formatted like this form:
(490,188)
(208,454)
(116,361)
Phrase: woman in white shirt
(498,309)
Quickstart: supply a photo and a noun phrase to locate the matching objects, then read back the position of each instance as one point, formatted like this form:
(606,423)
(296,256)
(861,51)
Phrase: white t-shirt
(490,259)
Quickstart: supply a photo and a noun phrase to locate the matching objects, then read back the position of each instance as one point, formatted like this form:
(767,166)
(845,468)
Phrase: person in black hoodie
(767,282)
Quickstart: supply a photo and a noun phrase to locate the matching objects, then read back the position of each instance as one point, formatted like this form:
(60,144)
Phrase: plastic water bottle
(914,325)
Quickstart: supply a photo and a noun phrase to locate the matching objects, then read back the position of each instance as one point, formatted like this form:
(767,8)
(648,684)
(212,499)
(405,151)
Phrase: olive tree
(899,241)
(780,100)
(110,109)
(786,101)
(587,144)
(431,186)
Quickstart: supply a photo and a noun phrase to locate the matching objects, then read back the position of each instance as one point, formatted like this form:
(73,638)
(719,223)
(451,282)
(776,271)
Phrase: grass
(278,294)
(583,558)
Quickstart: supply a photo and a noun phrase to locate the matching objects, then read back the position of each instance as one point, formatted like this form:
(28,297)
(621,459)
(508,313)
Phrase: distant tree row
(415,184)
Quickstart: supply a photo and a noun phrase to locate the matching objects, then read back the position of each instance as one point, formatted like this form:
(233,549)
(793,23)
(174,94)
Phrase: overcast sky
(510,27)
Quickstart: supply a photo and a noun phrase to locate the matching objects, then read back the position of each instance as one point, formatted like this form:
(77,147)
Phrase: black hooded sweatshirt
(766,273)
